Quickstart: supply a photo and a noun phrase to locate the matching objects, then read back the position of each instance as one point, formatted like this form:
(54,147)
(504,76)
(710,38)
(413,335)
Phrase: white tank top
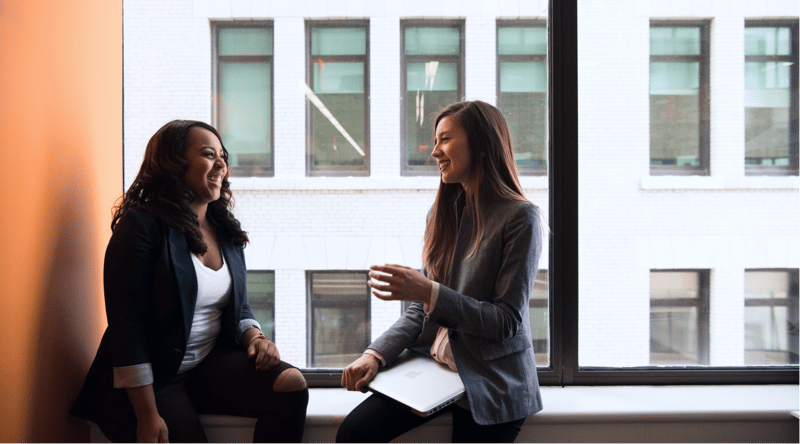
(213,295)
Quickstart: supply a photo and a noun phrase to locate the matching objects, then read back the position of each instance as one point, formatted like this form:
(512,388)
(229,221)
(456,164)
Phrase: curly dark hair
(160,190)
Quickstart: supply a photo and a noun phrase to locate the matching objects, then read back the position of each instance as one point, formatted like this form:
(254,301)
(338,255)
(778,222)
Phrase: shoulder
(138,222)
(515,210)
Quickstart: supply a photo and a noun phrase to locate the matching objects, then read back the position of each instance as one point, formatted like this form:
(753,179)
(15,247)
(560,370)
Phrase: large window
(678,317)
(244,97)
(338,93)
(771,317)
(770,100)
(339,318)
(432,78)
(522,90)
(679,110)
(261,294)
(540,319)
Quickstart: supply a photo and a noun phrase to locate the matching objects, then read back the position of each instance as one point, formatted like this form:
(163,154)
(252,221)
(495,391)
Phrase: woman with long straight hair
(469,309)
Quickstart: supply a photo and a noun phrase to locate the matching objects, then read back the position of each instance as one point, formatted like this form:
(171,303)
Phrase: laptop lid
(419,382)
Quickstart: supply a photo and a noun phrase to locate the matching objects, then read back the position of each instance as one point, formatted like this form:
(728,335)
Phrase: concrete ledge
(587,414)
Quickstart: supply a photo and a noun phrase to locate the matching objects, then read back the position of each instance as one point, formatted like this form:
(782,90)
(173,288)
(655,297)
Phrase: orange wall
(60,172)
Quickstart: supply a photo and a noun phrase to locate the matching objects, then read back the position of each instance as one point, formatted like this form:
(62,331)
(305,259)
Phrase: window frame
(701,302)
(272,304)
(310,317)
(563,249)
(703,97)
(243,171)
(431,170)
(792,169)
(336,170)
(520,23)
(793,275)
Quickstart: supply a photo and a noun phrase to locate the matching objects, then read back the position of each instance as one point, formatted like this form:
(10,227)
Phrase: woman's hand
(357,375)
(264,351)
(404,284)
(151,429)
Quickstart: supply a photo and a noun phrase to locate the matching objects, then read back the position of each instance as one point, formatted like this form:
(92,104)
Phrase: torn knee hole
(290,380)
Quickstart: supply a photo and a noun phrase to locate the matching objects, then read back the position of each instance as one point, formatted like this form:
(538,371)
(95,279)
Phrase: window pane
(338,41)
(771,317)
(340,324)
(430,86)
(432,41)
(523,100)
(677,317)
(261,294)
(540,319)
(674,114)
(245,113)
(767,41)
(245,41)
(674,41)
(522,40)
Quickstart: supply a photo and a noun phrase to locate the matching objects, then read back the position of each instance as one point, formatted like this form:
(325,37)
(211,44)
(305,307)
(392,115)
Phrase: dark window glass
(337,93)
(678,317)
(340,320)
(770,317)
(261,294)
(244,98)
(678,99)
(432,71)
(522,91)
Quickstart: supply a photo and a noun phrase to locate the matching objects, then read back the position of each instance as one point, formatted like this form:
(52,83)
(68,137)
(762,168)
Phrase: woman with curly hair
(181,337)
(469,310)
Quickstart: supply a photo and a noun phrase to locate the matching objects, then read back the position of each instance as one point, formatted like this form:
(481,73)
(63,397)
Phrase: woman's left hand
(264,351)
(404,284)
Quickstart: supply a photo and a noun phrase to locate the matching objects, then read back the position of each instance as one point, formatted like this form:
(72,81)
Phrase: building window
(243,105)
(337,92)
(339,318)
(770,99)
(432,77)
(261,294)
(679,109)
(522,90)
(540,319)
(679,317)
(770,317)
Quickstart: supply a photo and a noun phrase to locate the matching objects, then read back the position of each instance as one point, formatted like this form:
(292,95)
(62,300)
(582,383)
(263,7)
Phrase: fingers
(266,354)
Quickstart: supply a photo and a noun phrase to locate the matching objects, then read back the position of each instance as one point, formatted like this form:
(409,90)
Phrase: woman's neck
(201,211)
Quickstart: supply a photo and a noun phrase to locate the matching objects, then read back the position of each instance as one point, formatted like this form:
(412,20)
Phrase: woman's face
(206,168)
(451,151)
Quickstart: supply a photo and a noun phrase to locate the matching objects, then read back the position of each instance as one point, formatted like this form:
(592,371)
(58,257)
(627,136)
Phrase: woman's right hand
(357,375)
(151,429)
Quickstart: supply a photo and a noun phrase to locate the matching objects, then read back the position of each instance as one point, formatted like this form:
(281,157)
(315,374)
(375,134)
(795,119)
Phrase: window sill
(657,183)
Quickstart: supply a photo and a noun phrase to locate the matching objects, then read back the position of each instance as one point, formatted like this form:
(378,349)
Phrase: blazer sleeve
(128,273)
(501,317)
(402,334)
(247,319)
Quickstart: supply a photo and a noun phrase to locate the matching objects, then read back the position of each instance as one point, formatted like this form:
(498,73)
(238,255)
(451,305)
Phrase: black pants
(227,383)
(380,419)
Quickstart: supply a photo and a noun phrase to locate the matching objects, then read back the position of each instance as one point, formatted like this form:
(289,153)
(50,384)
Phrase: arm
(150,427)
(501,317)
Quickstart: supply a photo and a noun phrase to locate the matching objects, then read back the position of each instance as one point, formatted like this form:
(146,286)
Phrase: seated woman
(181,336)
(470,310)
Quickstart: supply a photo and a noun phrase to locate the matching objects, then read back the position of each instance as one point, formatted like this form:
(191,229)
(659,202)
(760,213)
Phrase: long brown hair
(159,188)
(493,176)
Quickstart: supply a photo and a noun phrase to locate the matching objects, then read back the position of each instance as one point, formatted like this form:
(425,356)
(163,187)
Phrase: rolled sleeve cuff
(246,324)
(428,308)
(380,357)
(133,375)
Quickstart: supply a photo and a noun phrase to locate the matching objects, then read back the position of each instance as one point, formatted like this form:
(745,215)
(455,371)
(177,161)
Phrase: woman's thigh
(379,419)
(465,429)
(227,383)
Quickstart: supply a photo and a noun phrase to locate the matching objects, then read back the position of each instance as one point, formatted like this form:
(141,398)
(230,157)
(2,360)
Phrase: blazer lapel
(238,275)
(185,276)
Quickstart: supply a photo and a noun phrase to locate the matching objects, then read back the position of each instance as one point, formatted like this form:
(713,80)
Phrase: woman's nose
(436,151)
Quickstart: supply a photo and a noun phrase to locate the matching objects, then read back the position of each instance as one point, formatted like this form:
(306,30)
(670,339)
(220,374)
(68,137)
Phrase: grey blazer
(484,305)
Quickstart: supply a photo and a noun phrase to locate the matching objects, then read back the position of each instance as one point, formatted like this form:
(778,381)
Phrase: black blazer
(150,288)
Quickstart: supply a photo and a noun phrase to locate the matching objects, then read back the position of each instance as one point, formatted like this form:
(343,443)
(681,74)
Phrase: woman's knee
(290,380)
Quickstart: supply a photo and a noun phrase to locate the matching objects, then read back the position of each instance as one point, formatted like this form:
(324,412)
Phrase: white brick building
(631,222)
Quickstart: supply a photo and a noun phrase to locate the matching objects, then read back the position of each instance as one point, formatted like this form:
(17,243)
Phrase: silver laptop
(419,382)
